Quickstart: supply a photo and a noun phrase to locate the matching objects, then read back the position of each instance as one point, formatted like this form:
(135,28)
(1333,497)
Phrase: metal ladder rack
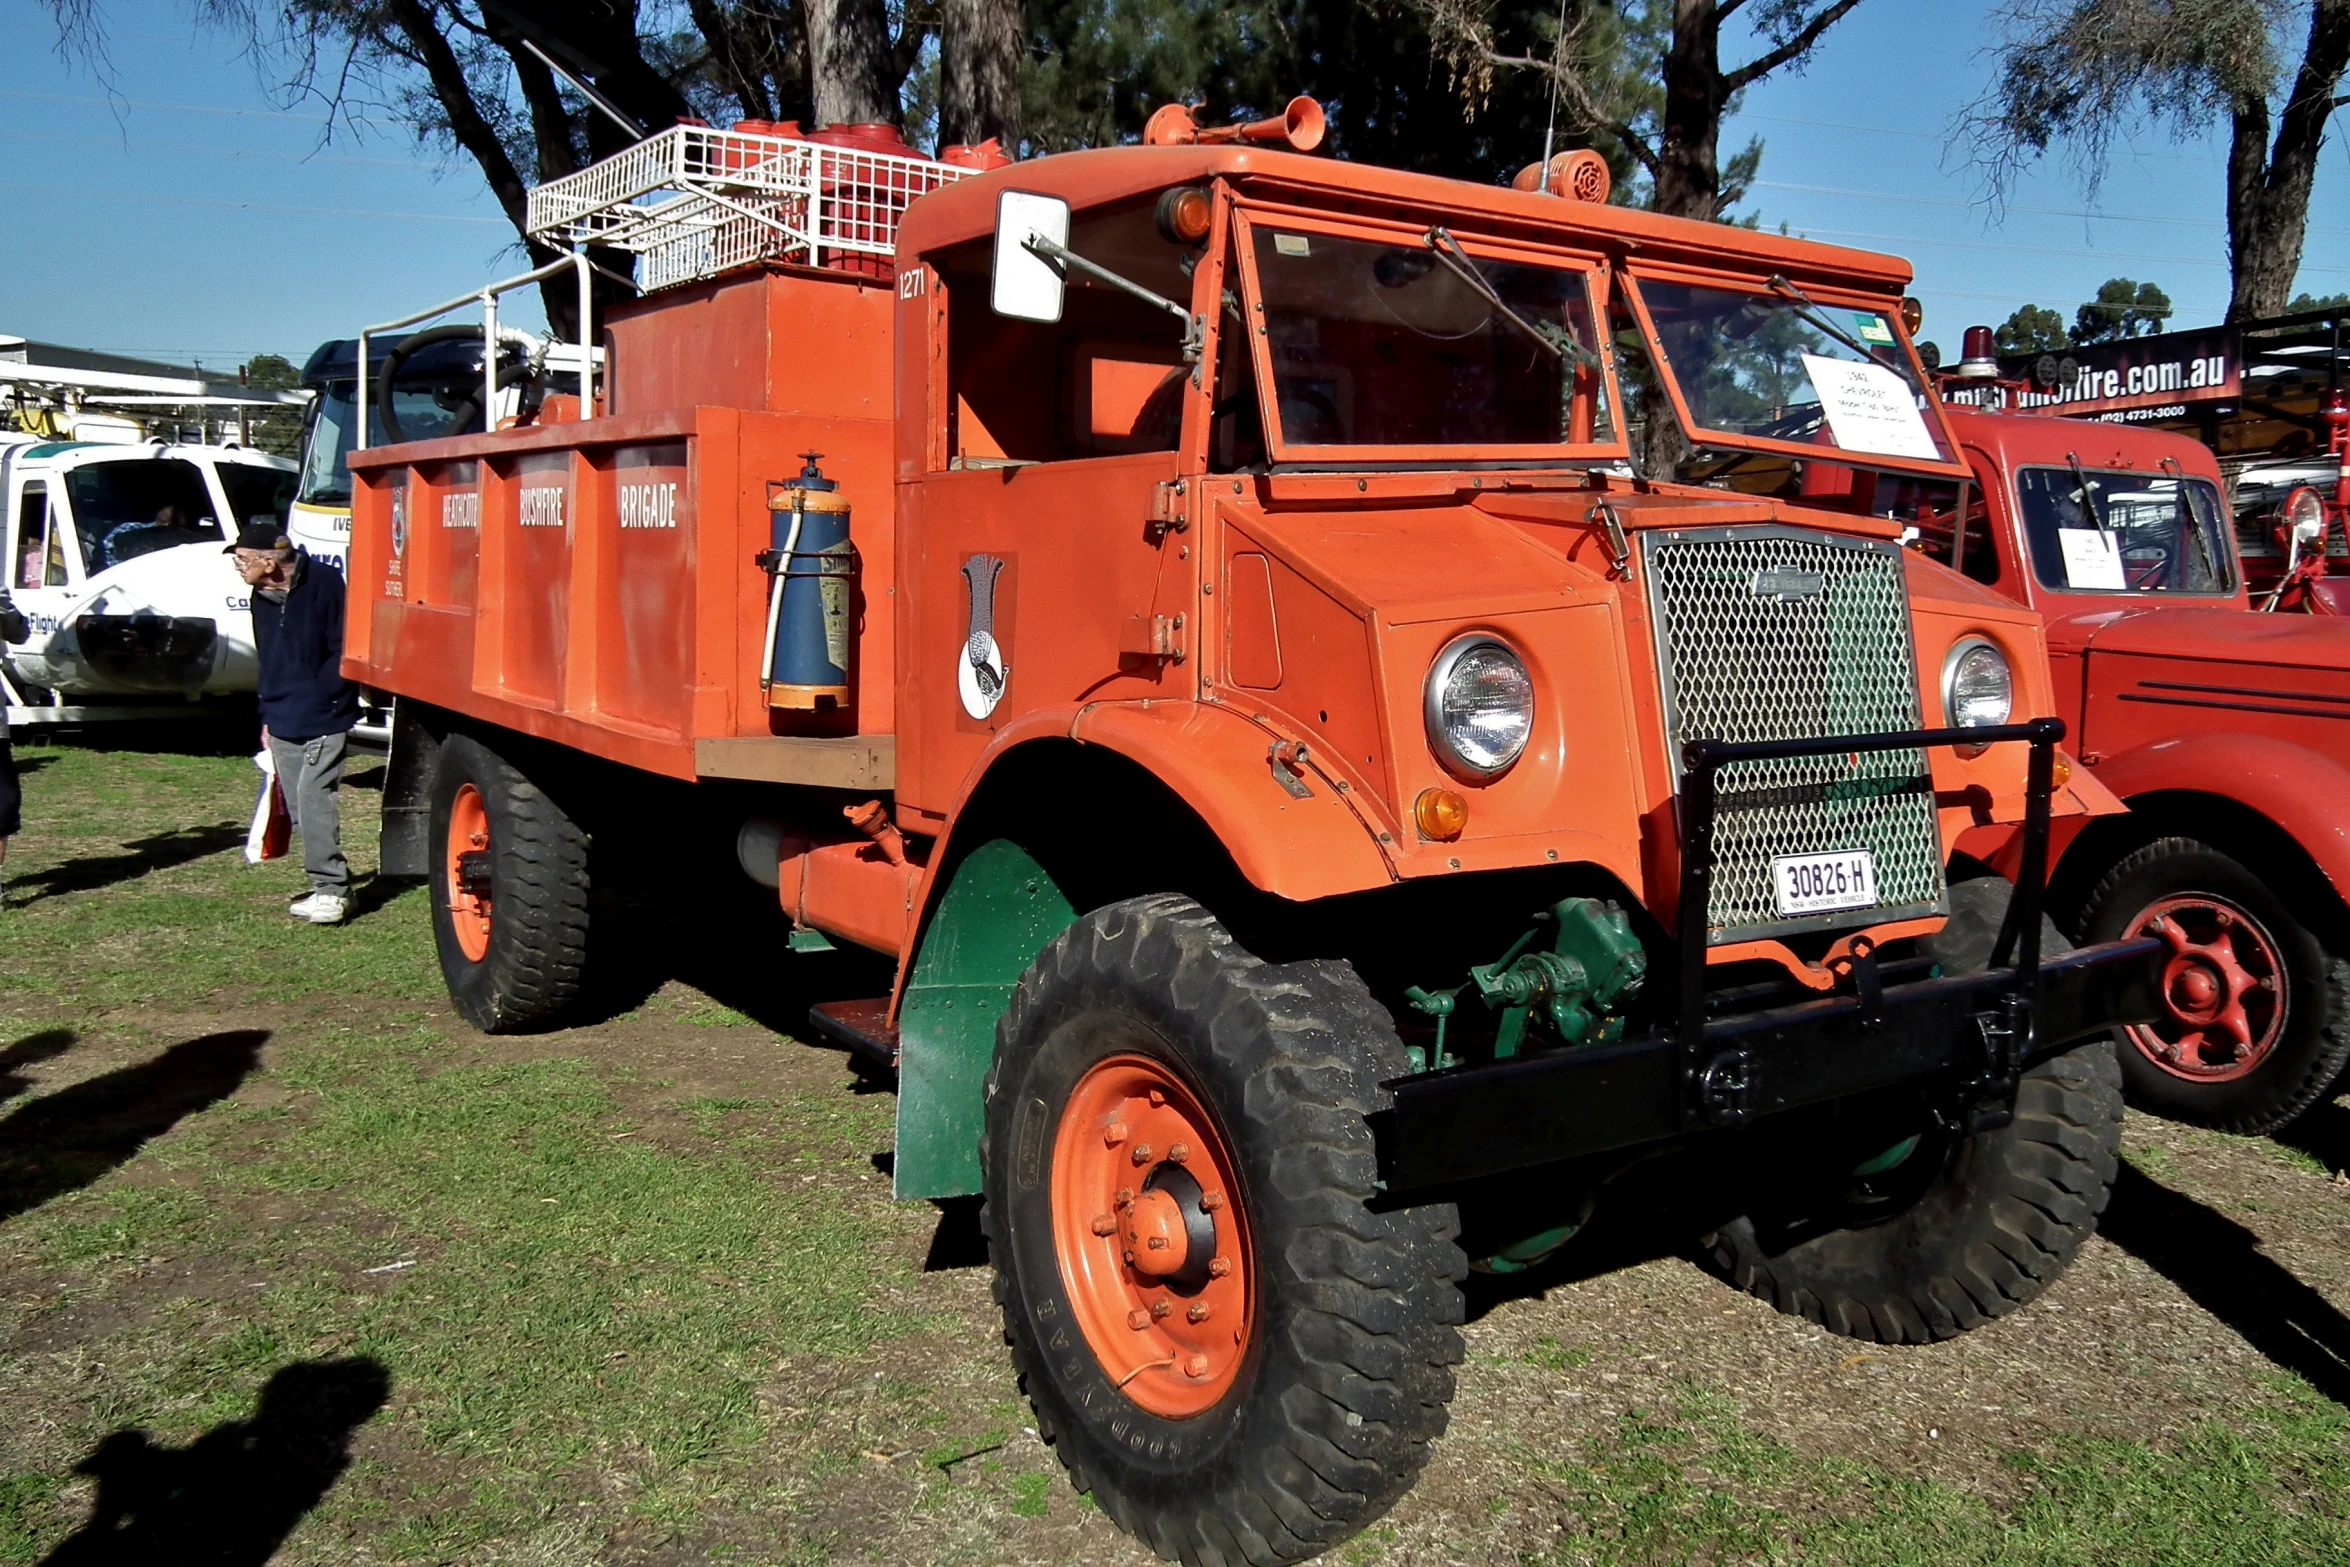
(691,202)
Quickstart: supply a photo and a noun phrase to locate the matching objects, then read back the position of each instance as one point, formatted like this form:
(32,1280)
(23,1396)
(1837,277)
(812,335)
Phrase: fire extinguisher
(812,569)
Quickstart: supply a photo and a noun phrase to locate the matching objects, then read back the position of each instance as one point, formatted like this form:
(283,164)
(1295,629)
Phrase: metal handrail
(488,299)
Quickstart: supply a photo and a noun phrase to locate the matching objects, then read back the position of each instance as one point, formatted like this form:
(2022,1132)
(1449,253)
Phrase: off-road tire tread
(2319,1073)
(1368,1323)
(2039,1185)
(536,966)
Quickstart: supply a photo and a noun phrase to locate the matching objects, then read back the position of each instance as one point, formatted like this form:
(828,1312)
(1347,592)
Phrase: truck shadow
(2323,1133)
(158,852)
(2219,1265)
(235,1493)
(63,1141)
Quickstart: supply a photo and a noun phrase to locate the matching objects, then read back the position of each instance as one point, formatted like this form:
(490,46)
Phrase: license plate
(1821,883)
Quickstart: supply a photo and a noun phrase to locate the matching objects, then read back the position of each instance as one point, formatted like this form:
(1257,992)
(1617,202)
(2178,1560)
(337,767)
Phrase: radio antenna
(1558,45)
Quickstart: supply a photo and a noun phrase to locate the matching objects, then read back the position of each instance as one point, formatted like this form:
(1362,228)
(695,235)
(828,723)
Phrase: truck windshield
(326,439)
(2092,531)
(122,510)
(1390,343)
(1778,367)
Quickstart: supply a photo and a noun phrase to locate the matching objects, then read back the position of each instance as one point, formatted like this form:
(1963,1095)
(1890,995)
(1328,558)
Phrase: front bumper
(1967,1037)
(1957,1032)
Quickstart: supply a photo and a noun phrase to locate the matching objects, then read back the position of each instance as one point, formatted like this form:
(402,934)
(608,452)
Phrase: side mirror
(1027,287)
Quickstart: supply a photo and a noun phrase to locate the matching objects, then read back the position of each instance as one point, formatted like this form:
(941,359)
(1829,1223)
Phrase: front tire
(1266,1376)
(509,892)
(1962,1229)
(2256,1014)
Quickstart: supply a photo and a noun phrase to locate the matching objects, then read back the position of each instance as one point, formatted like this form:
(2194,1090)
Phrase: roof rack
(691,202)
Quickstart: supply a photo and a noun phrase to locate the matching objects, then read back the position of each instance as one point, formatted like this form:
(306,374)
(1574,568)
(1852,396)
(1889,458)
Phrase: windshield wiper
(1809,312)
(2086,494)
(1456,261)
(2211,574)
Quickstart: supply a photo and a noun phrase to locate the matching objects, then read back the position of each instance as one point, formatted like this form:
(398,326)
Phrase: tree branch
(1763,65)
(466,124)
(1581,106)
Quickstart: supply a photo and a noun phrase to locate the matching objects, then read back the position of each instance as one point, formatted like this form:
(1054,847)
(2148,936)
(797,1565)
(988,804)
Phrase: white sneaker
(320,908)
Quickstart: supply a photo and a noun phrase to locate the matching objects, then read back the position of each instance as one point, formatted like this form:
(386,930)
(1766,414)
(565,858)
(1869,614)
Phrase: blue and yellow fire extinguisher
(812,572)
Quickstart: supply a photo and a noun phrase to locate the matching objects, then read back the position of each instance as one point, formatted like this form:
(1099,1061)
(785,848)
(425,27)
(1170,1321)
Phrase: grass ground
(293,1264)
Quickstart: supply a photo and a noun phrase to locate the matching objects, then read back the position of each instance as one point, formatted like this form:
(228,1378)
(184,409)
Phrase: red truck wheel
(1267,1378)
(509,892)
(1944,1233)
(2254,1025)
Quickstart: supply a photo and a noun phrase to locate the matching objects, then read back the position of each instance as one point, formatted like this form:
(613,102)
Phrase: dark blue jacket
(303,693)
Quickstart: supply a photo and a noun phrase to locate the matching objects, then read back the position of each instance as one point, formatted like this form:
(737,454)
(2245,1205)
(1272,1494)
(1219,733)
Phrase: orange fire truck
(1191,606)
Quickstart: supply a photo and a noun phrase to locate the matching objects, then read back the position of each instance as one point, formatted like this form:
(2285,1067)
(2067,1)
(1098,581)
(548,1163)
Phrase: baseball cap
(259,533)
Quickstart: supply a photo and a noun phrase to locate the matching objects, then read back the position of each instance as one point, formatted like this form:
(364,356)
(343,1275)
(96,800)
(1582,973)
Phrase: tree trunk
(2268,186)
(1688,169)
(851,63)
(979,53)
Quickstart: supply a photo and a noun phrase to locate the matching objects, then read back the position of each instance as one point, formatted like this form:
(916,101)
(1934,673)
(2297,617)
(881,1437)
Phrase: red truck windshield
(2094,531)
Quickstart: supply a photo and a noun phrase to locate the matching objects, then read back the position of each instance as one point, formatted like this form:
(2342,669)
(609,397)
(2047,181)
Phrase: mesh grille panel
(1765,634)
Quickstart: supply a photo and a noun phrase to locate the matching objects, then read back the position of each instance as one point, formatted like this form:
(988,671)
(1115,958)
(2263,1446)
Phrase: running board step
(863,1026)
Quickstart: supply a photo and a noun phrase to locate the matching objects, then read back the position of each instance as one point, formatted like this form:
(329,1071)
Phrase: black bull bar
(1976,1032)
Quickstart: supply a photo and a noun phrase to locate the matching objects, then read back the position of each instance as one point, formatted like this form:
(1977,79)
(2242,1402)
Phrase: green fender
(997,914)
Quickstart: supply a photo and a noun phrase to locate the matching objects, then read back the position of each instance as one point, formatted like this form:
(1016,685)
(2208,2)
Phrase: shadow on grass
(136,859)
(2323,1133)
(233,1495)
(2220,1266)
(63,1141)
(33,1047)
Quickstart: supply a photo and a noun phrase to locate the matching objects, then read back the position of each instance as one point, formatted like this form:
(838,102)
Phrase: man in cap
(307,707)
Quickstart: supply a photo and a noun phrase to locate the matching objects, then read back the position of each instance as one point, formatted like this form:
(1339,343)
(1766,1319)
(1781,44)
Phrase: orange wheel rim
(468,872)
(1152,1236)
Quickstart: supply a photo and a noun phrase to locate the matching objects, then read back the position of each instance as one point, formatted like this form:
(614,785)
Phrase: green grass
(634,1310)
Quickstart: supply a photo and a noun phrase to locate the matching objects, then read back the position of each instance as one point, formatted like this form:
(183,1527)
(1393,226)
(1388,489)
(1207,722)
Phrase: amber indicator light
(1183,215)
(1440,814)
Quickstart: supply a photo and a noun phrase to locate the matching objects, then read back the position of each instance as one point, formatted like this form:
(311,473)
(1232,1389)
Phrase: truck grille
(1773,634)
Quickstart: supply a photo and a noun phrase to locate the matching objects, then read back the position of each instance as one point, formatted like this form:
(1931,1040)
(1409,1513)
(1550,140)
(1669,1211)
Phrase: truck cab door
(1031,572)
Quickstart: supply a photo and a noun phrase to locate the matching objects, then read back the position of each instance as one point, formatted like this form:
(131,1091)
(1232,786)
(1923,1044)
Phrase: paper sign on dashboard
(1870,409)
(2090,559)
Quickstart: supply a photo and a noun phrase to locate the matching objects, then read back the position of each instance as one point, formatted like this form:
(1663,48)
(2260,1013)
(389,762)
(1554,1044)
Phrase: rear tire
(514,959)
(2226,927)
(1145,1020)
(1964,1229)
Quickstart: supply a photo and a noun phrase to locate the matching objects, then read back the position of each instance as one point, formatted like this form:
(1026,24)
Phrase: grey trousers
(309,772)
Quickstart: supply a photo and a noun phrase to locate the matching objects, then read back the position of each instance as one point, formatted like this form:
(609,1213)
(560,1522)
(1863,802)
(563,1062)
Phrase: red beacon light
(1980,359)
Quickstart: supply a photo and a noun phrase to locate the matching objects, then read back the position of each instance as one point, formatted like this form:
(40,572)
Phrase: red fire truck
(2226,730)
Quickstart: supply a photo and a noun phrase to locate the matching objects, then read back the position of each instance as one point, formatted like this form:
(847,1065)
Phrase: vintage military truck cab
(2221,726)
(1330,819)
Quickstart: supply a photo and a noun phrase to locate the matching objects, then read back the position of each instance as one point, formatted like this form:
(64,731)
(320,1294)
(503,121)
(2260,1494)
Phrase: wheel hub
(468,872)
(1152,1243)
(2224,1002)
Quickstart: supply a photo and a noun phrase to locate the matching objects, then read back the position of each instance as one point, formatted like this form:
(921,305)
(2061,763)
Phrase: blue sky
(189,217)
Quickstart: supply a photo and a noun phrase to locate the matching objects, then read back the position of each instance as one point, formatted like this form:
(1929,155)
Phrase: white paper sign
(2090,559)
(1869,408)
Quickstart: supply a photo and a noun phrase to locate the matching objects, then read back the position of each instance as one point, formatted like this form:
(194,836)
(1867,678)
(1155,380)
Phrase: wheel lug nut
(1142,1153)
(1179,1152)
(1157,1243)
(1113,1134)
(1105,1224)
(1196,1367)
(1125,1196)
(1162,1307)
(1219,1266)
(1157,1098)
(1138,1319)
(1209,1202)
(1198,1312)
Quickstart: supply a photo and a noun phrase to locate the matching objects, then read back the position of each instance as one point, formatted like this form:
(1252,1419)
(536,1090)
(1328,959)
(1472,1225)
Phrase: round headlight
(1480,706)
(1978,689)
(2304,513)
